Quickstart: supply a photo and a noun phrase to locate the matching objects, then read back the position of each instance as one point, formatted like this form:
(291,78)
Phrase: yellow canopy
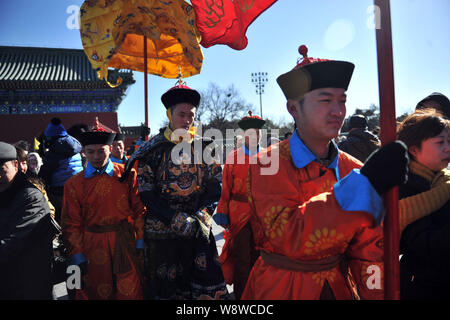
(112,35)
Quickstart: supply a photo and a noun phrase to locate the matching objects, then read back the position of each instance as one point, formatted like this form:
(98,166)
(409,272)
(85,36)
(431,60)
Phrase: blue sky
(332,29)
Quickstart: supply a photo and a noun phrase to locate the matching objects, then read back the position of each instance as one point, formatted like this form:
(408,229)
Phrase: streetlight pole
(259,79)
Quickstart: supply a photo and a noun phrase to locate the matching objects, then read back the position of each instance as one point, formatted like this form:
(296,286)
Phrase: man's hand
(387,167)
(221,219)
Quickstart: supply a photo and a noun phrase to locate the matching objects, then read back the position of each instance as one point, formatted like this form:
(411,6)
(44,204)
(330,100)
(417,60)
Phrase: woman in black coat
(425,208)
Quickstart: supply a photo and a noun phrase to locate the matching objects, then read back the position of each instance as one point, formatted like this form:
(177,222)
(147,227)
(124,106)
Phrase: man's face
(322,114)
(23,166)
(118,148)
(183,115)
(252,138)
(8,171)
(97,154)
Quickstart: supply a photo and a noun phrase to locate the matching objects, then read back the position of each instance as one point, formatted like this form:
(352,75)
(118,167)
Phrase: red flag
(226,21)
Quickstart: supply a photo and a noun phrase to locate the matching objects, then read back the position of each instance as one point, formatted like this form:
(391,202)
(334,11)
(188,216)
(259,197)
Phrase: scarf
(422,204)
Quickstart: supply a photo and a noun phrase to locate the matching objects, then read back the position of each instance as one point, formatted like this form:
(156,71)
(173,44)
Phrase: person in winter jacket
(61,161)
(26,234)
(360,142)
(424,208)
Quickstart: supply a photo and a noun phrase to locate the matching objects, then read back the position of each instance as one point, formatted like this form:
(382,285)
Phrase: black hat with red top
(312,73)
(180,93)
(98,134)
(251,122)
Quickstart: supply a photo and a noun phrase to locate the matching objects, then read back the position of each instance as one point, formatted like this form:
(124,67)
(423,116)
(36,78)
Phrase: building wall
(15,127)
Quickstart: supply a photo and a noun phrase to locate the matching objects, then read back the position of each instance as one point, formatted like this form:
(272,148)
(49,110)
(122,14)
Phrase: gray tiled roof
(30,67)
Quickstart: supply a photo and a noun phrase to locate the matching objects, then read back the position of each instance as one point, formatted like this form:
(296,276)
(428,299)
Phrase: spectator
(424,208)
(75,131)
(360,142)
(34,162)
(26,234)
(436,101)
(61,161)
(22,157)
(132,148)
(376,131)
(23,145)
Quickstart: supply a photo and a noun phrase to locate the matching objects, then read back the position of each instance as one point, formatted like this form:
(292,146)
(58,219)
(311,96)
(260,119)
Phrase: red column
(388,133)
(145,84)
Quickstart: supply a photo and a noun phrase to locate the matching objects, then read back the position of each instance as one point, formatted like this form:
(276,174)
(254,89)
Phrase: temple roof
(53,68)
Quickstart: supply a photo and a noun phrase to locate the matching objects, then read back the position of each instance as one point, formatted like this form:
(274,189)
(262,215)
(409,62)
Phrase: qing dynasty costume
(318,218)
(318,227)
(181,259)
(102,224)
(96,215)
(238,253)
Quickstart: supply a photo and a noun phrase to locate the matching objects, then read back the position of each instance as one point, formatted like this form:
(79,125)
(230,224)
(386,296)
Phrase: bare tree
(219,106)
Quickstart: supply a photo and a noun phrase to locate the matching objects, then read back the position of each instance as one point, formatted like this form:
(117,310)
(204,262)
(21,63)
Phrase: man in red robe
(233,212)
(318,215)
(102,224)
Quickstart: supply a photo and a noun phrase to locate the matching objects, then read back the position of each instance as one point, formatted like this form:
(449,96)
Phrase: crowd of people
(139,225)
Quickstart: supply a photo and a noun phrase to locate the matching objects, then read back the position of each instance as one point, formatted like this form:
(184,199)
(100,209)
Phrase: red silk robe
(298,217)
(233,202)
(102,200)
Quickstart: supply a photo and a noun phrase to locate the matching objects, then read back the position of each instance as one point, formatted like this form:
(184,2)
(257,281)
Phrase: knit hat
(98,134)
(312,73)
(357,121)
(55,128)
(251,122)
(443,101)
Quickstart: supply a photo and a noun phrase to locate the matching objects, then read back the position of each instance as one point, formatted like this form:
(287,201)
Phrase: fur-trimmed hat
(98,134)
(179,94)
(310,74)
(119,137)
(251,122)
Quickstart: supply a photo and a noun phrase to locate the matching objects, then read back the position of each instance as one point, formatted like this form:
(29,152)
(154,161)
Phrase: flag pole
(388,131)
(145,84)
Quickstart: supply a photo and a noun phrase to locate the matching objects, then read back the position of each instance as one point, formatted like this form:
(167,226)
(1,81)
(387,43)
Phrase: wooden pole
(388,126)
(145,84)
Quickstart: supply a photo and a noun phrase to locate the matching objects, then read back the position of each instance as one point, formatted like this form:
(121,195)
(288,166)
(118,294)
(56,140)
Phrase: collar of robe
(90,171)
